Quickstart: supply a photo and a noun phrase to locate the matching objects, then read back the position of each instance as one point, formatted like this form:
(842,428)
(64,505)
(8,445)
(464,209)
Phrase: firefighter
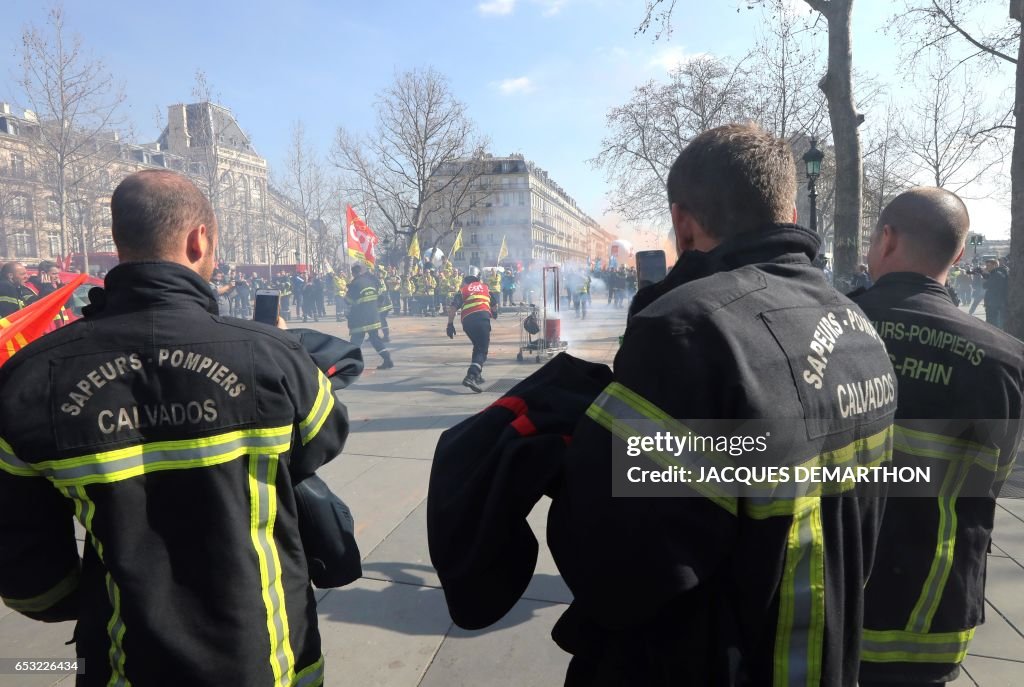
(442,292)
(384,308)
(284,284)
(408,289)
(394,286)
(177,437)
(340,289)
(478,305)
(363,313)
(720,584)
(14,294)
(926,594)
(494,283)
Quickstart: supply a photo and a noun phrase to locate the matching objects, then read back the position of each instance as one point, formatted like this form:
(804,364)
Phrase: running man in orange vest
(478,305)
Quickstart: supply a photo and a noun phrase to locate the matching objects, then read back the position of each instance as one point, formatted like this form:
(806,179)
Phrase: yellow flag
(503,251)
(457,246)
(414,247)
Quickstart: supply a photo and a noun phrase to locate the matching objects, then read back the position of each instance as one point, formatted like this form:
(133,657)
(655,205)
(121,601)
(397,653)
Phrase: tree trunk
(1015,325)
(837,85)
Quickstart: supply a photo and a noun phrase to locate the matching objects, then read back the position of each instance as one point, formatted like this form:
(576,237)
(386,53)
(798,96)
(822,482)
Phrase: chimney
(177,129)
(5,109)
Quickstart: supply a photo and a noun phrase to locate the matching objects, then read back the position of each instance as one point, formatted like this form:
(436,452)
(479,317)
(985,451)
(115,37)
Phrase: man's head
(14,272)
(357,269)
(922,230)
(161,215)
(991,264)
(49,272)
(729,181)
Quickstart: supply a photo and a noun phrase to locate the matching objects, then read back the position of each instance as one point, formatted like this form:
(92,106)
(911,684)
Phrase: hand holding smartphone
(650,267)
(268,306)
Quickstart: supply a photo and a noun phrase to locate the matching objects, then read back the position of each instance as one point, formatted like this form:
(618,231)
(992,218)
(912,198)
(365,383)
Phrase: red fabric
(28,324)
(513,403)
(481,294)
(524,426)
(362,242)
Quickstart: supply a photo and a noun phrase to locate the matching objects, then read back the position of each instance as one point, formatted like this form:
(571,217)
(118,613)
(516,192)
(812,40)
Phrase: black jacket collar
(789,243)
(910,283)
(143,285)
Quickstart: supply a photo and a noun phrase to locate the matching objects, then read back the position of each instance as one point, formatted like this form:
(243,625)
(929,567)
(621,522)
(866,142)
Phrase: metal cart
(540,334)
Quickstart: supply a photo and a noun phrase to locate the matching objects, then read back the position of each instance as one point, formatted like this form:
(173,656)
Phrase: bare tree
(927,23)
(940,134)
(648,132)
(837,85)
(462,196)
(76,102)
(887,172)
(420,128)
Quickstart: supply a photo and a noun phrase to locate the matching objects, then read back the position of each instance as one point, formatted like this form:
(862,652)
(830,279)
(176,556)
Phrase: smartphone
(268,306)
(650,267)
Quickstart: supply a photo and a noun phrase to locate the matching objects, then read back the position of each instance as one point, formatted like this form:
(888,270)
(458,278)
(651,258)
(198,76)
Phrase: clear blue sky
(537,75)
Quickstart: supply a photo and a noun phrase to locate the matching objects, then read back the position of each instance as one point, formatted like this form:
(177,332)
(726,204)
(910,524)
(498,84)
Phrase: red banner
(28,324)
(362,242)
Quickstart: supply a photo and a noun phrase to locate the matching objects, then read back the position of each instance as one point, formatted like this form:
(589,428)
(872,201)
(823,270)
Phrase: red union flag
(362,242)
(28,324)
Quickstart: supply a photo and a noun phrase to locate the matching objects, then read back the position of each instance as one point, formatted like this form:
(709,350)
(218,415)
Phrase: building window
(52,210)
(21,207)
(17,165)
(22,243)
(53,240)
(472,239)
(521,198)
(474,258)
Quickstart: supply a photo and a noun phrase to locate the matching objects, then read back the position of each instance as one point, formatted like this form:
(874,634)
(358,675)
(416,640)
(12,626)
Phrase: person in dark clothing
(997,286)
(961,392)
(715,586)
(310,301)
(363,313)
(243,297)
(14,295)
(477,305)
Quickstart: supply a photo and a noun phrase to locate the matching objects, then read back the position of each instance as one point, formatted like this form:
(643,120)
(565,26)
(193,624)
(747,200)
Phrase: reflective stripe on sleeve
(10,463)
(47,599)
(922,444)
(263,515)
(313,676)
(318,414)
(900,646)
(800,633)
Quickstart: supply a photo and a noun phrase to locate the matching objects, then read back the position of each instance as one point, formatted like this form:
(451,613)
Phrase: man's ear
(197,243)
(890,240)
(682,227)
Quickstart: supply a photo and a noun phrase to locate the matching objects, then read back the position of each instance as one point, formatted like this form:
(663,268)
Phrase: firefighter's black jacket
(175,436)
(712,590)
(362,296)
(961,384)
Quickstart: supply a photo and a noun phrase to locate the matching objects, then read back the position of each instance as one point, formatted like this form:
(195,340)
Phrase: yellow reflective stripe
(599,413)
(311,676)
(321,410)
(263,515)
(942,562)
(85,511)
(48,598)
(800,633)
(10,463)
(125,463)
(901,646)
(116,630)
(923,444)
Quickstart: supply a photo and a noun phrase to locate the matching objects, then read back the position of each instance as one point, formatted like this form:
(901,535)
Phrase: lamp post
(812,161)
(976,240)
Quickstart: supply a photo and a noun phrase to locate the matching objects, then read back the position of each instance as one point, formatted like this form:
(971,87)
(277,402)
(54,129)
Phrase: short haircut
(357,269)
(152,210)
(9,268)
(46,266)
(934,221)
(734,179)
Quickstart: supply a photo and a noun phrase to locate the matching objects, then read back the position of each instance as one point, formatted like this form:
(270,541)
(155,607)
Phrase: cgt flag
(28,324)
(362,242)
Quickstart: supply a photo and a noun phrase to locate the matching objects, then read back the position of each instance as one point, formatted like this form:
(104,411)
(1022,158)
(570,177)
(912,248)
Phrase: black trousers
(478,328)
(375,341)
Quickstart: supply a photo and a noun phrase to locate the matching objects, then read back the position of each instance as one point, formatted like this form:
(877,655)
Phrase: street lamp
(812,160)
(975,240)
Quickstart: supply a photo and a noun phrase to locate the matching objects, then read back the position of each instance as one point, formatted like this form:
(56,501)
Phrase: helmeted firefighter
(961,391)
(363,313)
(478,306)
